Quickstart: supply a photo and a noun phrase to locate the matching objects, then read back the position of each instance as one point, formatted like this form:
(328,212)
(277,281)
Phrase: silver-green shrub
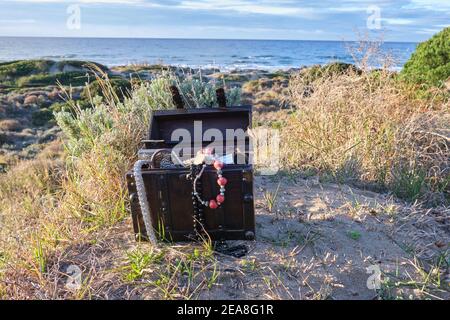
(104,122)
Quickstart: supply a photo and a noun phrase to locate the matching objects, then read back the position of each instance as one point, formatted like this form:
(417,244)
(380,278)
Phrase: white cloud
(434,5)
(17,21)
(346,9)
(397,21)
(428,31)
(264,17)
(281,8)
(250,7)
(84,1)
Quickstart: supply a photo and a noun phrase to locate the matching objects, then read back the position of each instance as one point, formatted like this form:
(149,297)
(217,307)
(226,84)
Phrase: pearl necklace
(142,198)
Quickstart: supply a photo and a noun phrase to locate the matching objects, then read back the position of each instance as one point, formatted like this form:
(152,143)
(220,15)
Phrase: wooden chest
(169,190)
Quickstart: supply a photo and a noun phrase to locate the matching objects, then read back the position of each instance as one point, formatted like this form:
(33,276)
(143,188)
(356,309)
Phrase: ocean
(224,54)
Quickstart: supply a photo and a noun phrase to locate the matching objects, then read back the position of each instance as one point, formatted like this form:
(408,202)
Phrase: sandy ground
(317,243)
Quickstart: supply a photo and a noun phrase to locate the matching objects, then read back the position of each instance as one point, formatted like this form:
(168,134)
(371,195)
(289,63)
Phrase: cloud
(83,1)
(428,31)
(234,18)
(433,5)
(300,8)
(397,21)
(261,7)
(17,21)
(346,9)
(250,7)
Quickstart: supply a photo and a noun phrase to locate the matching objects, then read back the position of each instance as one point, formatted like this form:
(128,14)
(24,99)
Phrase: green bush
(60,106)
(121,88)
(24,73)
(85,126)
(3,138)
(430,63)
(14,69)
(198,94)
(41,117)
(79,64)
(74,78)
(409,184)
(316,72)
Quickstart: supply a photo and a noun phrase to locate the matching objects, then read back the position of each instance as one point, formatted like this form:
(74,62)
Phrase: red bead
(222,181)
(220,198)
(213,204)
(218,165)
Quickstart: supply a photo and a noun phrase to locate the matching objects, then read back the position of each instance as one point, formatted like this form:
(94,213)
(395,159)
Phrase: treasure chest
(194,176)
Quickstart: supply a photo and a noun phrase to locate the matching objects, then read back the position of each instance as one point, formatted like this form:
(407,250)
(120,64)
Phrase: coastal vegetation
(39,73)
(346,131)
(430,63)
(367,128)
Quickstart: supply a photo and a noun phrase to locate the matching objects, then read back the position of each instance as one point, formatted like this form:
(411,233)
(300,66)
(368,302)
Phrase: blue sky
(401,20)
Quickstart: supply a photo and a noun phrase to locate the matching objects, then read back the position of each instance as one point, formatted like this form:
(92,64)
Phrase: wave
(224,54)
(56,57)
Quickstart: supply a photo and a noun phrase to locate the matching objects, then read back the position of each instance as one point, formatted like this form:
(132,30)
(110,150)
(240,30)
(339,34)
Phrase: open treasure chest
(194,177)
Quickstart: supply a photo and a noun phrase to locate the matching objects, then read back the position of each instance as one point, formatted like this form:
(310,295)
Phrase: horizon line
(175,38)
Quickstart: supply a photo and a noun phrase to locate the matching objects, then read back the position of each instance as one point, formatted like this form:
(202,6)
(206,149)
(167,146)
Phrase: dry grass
(364,126)
(31,225)
(50,203)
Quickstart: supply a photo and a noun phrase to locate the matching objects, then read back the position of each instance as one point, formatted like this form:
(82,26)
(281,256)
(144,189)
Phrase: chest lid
(202,125)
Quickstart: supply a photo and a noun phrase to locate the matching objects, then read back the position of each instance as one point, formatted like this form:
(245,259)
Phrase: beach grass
(361,127)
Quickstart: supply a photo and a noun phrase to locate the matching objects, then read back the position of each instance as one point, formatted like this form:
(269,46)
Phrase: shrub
(10,125)
(78,64)
(313,73)
(3,138)
(102,142)
(15,69)
(60,106)
(41,117)
(74,78)
(430,63)
(121,88)
(198,93)
(357,127)
(26,73)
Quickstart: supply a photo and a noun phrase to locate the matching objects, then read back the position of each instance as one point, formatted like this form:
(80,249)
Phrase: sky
(399,20)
